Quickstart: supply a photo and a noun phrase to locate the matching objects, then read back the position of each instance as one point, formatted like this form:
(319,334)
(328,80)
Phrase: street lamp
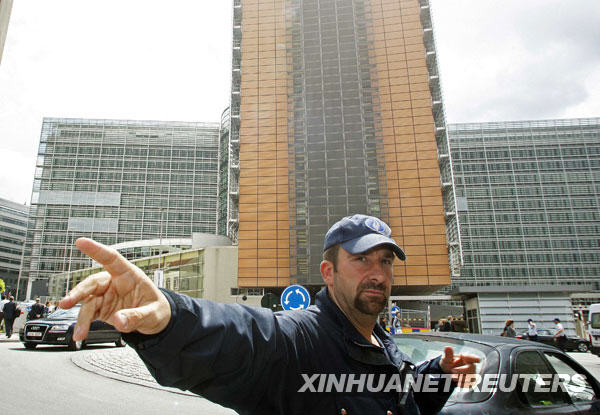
(158,274)
(70,261)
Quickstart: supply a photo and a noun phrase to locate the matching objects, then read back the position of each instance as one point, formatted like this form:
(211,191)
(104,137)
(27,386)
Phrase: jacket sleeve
(433,402)
(228,353)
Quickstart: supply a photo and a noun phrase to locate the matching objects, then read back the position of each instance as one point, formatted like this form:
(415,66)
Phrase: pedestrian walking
(10,313)
(256,361)
(560,337)
(532,333)
(509,329)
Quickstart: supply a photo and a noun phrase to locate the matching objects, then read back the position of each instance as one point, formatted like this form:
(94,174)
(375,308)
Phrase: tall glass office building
(528,197)
(118,181)
(335,110)
(13,227)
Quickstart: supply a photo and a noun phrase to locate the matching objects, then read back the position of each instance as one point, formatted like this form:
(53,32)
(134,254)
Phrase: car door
(580,385)
(545,336)
(535,389)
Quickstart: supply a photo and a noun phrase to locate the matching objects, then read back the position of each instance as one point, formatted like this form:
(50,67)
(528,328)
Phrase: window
(576,385)
(535,382)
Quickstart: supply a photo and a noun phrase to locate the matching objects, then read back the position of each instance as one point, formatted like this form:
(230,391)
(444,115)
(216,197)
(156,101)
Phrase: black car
(574,343)
(57,328)
(534,365)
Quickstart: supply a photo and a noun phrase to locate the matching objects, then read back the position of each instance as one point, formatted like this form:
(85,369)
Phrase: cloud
(515,60)
(16,180)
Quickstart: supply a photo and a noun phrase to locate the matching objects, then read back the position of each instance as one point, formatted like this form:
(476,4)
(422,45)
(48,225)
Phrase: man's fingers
(93,285)
(465,359)
(87,314)
(448,353)
(112,261)
(466,369)
(469,358)
(143,319)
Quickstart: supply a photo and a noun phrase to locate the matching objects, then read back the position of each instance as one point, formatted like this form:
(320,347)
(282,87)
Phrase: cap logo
(375,225)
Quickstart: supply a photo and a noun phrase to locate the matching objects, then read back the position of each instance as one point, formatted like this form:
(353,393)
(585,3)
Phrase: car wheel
(120,342)
(73,345)
(582,347)
(30,346)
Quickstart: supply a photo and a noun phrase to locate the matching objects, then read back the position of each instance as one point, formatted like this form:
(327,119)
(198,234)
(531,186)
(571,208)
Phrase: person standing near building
(532,333)
(447,326)
(509,329)
(3,301)
(397,323)
(37,310)
(48,308)
(256,361)
(560,337)
(10,311)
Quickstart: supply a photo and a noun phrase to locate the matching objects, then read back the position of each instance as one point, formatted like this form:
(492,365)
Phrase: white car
(25,307)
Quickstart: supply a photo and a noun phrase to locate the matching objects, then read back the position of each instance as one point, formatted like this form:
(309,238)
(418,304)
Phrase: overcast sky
(155,60)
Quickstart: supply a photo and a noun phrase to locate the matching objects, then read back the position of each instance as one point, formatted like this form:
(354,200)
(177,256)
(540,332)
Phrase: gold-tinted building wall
(416,213)
(412,176)
(264,242)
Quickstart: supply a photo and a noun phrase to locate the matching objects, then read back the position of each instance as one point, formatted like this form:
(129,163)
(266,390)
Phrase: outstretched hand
(123,295)
(461,367)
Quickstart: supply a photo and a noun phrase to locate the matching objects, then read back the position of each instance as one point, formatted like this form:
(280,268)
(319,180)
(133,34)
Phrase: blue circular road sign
(295,297)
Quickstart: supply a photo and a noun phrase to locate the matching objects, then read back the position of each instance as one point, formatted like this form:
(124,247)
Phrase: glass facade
(336,109)
(183,273)
(118,181)
(528,197)
(13,228)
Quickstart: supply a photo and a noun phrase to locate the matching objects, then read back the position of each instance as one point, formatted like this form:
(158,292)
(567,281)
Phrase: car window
(595,319)
(535,381)
(422,347)
(61,314)
(575,382)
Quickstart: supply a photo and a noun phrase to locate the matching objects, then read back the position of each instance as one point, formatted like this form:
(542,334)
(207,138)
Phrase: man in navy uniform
(259,362)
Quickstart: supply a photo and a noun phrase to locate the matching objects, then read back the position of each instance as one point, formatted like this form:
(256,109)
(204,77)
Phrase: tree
(2,285)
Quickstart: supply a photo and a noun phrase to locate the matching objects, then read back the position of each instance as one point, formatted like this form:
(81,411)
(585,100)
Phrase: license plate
(34,334)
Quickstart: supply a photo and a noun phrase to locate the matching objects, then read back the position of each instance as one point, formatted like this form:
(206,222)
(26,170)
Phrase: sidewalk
(121,363)
(13,338)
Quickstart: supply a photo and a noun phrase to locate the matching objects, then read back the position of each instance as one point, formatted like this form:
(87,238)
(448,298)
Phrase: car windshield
(423,347)
(61,314)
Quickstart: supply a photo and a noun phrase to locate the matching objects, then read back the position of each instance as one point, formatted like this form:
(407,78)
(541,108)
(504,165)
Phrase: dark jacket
(9,310)
(253,360)
(37,311)
(447,326)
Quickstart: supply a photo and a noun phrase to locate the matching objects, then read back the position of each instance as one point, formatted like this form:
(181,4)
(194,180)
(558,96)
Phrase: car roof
(487,339)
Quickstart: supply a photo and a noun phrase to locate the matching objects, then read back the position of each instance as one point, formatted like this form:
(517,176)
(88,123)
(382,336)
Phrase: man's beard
(372,307)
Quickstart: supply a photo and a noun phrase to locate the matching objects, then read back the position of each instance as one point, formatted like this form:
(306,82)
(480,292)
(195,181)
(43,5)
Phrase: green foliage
(2,285)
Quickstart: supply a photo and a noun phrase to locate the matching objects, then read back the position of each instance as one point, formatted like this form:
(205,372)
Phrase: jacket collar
(354,340)
(330,308)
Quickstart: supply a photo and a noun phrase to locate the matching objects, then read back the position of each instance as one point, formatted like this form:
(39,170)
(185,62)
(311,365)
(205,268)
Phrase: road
(589,361)
(46,381)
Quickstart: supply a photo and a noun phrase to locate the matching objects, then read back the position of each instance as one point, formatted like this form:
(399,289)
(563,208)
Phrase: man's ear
(327,272)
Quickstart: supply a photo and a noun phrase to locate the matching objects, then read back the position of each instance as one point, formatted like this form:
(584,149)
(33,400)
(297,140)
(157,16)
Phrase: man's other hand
(461,367)
(122,295)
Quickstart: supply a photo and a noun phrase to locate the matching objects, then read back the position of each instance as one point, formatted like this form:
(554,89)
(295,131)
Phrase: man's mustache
(373,286)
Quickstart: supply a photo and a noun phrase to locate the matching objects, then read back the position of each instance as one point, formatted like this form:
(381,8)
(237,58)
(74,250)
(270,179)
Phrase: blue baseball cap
(359,233)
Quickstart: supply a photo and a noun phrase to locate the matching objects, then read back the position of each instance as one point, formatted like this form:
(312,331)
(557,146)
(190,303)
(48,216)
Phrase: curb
(122,362)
